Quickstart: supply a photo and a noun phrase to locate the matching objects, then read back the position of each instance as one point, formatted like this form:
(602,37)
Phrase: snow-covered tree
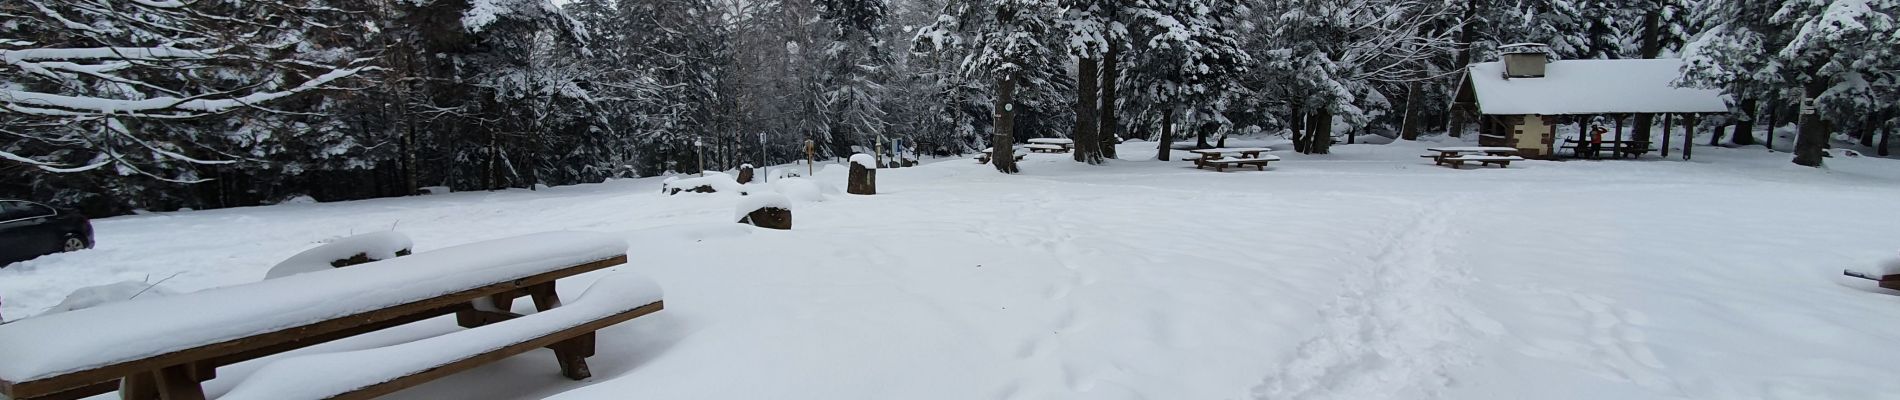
(1839,54)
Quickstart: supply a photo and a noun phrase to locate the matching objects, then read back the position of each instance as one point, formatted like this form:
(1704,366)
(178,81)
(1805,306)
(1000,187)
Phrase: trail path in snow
(1399,325)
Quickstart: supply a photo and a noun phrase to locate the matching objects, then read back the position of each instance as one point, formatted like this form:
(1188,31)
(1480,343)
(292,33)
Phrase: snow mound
(759,201)
(800,189)
(368,247)
(93,296)
(865,160)
(299,199)
(713,182)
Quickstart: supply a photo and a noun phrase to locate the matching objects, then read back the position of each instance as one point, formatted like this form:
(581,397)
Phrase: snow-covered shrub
(298,199)
(713,182)
(94,296)
(343,252)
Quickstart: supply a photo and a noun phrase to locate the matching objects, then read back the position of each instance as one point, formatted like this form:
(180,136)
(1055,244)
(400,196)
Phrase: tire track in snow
(1399,325)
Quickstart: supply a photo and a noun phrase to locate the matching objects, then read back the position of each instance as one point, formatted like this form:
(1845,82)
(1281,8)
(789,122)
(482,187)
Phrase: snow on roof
(43,346)
(1592,87)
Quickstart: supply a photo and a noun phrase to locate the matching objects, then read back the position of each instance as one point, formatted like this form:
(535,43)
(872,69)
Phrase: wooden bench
(984,157)
(1221,164)
(164,347)
(1047,148)
(1458,161)
(1885,281)
(1618,148)
(567,330)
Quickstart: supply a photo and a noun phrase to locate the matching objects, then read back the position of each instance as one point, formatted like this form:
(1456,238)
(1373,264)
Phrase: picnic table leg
(177,383)
(140,386)
(572,353)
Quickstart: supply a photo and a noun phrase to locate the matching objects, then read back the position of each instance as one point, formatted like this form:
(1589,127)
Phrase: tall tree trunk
(1688,136)
(1774,116)
(1869,128)
(1745,129)
(1087,145)
(1200,130)
(1669,123)
(1715,138)
(1408,126)
(1108,127)
(1886,133)
(1811,144)
(1650,47)
(1003,140)
(1167,135)
(1467,33)
(1320,132)
(1296,125)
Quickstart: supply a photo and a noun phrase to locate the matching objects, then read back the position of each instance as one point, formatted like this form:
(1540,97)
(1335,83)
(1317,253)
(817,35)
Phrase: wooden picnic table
(1486,150)
(1055,141)
(162,348)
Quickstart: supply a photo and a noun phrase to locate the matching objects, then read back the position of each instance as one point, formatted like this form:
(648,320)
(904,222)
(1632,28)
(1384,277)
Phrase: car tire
(74,243)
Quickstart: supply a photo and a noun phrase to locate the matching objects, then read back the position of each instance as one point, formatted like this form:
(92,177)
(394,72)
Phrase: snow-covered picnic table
(173,343)
(1054,141)
(983,157)
(1494,151)
(1240,152)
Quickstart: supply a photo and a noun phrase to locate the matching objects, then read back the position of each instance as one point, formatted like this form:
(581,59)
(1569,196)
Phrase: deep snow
(1365,274)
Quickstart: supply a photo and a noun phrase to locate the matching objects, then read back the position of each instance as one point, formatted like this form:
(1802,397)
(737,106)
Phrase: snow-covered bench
(984,156)
(568,330)
(1221,164)
(1046,148)
(163,347)
(1459,161)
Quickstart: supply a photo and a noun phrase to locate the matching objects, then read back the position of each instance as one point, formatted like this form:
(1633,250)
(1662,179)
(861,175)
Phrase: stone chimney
(1525,60)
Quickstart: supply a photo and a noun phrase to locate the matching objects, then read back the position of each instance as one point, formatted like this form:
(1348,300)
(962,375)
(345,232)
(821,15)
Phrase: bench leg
(177,383)
(141,386)
(572,353)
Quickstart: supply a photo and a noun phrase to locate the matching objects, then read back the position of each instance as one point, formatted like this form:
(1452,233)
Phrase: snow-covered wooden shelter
(1520,99)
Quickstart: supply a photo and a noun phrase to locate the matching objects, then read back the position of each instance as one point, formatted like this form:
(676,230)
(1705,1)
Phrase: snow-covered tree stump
(863,177)
(766,210)
(745,173)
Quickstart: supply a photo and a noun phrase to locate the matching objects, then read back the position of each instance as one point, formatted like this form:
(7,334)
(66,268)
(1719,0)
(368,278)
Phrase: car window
(12,210)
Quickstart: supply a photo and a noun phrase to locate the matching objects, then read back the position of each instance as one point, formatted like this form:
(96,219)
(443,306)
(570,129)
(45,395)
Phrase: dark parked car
(29,230)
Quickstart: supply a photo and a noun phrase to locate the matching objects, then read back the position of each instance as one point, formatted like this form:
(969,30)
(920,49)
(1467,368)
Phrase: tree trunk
(1087,145)
(1408,126)
(1745,129)
(1167,135)
(1107,130)
(1886,133)
(1810,145)
(1320,132)
(1688,136)
(1643,124)
(1669,123)
(1774,116)
(1868,128)
(1003,140)
(1714,139)
(1295,125)
(1467,33)
(1200,130)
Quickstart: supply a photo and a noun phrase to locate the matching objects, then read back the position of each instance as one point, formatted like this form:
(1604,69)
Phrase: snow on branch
(50,103)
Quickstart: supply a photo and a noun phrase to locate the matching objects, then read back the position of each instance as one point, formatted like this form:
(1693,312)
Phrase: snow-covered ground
(1366,274)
